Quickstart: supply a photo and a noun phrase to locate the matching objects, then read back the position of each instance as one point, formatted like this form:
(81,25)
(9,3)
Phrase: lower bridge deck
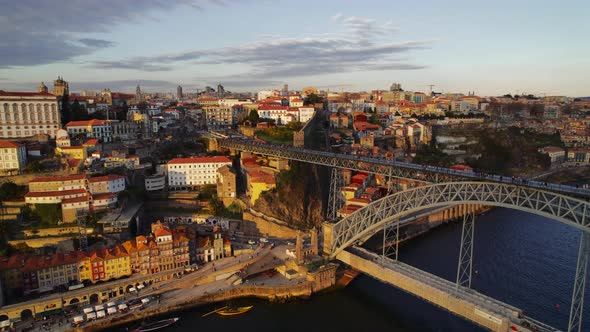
(467,303)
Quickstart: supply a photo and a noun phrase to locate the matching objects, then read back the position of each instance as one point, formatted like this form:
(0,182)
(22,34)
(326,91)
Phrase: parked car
(251,242)
(263,240)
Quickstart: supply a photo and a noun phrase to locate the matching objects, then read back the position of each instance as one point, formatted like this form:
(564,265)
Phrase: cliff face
(298,198)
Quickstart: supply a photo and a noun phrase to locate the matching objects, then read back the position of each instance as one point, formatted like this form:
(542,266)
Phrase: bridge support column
(575,322)
(390,234)
(464,268)
(335,201)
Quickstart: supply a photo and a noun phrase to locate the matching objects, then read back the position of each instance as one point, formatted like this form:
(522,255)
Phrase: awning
(140,286)
(88,310)
(48,313)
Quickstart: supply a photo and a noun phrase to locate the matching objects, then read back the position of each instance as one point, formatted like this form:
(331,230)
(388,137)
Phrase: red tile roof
(56,193)
(272,108)
(59,178)
(93,122)
(91,142)
(98,197)
(109,177)
(163,232)
(25,94)
(199,160)
(80,199)
(9,144)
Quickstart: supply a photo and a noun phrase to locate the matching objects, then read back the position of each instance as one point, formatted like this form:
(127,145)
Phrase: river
(522,259)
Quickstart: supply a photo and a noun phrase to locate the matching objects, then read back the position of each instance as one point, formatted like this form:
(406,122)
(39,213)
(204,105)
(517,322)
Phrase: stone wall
(257,224)
(266,292)
(45,241)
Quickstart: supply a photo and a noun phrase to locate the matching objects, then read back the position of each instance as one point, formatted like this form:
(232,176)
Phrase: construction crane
(82,233)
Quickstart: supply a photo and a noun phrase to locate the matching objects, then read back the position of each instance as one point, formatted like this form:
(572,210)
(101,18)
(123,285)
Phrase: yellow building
(72,152)
(117,263)
(258,182)
(85,267)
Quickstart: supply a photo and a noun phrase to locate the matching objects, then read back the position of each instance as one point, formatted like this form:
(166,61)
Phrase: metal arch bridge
(388,168)
(385,214)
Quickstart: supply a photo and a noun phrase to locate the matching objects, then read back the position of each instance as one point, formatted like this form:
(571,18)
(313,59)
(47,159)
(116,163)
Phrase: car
(289,243)
(251,242)
(263,240)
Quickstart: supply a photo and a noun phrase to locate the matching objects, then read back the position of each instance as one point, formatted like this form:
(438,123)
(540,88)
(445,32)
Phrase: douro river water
(522,259)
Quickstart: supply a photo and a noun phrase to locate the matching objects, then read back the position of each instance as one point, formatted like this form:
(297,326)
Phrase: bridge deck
(483,310)
(389,167)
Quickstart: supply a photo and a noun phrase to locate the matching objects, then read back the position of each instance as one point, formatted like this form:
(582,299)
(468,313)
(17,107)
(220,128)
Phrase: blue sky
(490,47)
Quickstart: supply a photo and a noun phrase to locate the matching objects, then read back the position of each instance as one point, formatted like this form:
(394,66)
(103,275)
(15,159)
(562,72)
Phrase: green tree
(8,191)
(253,117)
(216,206)
(34,167)
(65,109)
(312,99)
(78,112)
(142,106)
(48,214)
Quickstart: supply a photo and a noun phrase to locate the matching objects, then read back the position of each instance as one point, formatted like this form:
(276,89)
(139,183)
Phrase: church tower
(60,87)
(42,88)
(138,98)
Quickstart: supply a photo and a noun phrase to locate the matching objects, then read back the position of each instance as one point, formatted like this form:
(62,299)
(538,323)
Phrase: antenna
(430,86)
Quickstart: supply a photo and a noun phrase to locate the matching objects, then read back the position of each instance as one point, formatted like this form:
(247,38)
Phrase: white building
(306,113)
(155,182)
(25,114)
(106,184)
(188,173)
(13,156)
(266,94)
(551,111)
(94,128)
(557,155)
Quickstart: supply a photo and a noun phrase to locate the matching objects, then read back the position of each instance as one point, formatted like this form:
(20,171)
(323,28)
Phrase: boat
(156,325)
(234,311)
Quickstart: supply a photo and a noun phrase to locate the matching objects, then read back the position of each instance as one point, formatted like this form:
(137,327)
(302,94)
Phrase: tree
(78,112)
(34,167)
(122,114)
(312,99)
(142,106)
(216,206)
(8,191)
(65,109)
(253,117)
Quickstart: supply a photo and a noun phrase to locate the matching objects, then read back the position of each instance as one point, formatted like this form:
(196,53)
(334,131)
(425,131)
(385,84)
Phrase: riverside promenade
(191,289)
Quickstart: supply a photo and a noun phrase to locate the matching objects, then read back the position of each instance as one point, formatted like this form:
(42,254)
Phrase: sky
(488,47)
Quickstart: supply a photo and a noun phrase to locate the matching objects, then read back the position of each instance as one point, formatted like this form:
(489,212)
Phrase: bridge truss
(383,214)
(389,168)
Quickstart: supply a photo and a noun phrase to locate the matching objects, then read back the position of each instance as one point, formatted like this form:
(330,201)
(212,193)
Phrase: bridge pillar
(327,243)
(464,268)
(390,241)
(575,321)
(335,199)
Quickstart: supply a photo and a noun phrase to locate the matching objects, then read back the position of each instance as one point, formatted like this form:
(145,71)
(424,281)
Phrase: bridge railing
(391,168)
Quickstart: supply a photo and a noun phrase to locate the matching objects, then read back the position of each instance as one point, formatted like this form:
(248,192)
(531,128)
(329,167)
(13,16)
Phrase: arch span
(368,220)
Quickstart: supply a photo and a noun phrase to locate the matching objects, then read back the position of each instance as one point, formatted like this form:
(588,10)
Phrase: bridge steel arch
(367,221)
(371,219)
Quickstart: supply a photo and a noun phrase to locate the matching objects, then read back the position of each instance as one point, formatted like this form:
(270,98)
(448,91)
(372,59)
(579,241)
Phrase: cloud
(115,85)
(34,32)
(363,46)
(100,43)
